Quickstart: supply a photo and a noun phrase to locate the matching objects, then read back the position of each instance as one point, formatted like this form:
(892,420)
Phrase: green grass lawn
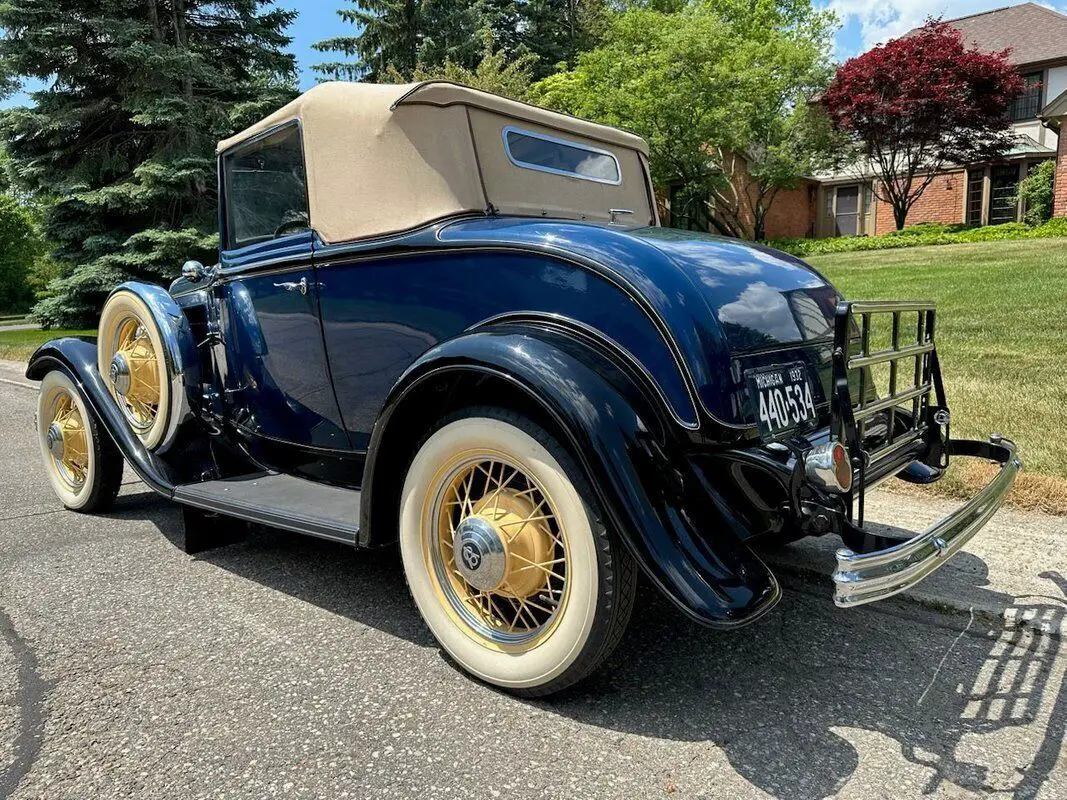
(19,345)
(1001,332)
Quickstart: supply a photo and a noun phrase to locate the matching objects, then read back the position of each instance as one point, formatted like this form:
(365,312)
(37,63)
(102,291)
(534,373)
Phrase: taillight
(829,468)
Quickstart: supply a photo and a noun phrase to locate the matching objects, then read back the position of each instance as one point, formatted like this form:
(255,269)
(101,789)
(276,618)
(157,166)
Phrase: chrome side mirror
(195,271)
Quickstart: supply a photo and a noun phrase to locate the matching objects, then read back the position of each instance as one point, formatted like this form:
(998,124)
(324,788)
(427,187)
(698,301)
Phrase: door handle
(294,286)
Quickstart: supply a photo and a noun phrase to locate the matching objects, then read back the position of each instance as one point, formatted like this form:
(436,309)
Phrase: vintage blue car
(451,320)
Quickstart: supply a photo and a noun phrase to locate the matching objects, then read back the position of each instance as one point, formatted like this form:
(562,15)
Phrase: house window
(266,189)
(688,212)
(847,211)
(1028,104)
(1003,188)
(975,190)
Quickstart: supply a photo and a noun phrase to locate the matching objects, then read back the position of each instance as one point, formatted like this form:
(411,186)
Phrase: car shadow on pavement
(801,702)
(813,696)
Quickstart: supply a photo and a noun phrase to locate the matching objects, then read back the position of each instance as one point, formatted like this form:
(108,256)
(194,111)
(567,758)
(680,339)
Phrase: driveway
(291,667)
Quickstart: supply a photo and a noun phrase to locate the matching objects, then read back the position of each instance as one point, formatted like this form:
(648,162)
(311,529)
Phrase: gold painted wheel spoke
(524,606)
(541,565)
(140,403)
(72,466)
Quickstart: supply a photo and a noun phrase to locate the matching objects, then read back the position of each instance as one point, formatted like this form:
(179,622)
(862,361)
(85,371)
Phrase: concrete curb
(1046,619)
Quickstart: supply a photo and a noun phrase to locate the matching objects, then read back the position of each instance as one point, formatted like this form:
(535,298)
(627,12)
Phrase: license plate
(782,398)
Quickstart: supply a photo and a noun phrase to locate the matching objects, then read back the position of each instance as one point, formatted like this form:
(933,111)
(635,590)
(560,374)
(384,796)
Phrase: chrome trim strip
(866,577)
(566,143)
(276,266)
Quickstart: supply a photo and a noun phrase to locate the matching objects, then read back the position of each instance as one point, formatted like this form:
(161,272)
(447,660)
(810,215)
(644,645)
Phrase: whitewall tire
(83,465)
(506,555)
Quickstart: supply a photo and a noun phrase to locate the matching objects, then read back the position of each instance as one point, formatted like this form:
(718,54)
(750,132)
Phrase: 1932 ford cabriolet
(451,320)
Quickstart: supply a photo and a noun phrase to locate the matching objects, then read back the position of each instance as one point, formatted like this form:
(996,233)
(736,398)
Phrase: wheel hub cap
(480,555)
(120,374)
(55,440)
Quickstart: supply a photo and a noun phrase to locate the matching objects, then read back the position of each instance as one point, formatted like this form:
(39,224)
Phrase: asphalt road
(285,667)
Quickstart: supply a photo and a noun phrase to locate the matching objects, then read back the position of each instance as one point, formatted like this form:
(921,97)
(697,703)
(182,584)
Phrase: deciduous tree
(20,248)
(719,91)
(919,103)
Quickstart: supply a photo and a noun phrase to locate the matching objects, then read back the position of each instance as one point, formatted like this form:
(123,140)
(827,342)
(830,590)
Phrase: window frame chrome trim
(224,183)
(566,143)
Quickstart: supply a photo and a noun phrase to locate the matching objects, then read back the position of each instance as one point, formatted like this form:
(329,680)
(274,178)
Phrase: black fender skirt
(678,528)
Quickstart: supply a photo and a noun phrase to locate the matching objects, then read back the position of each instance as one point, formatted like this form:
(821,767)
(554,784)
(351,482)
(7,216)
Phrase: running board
(278,501)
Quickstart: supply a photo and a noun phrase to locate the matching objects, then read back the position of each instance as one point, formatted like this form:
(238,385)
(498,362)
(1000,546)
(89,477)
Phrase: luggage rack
(923,427)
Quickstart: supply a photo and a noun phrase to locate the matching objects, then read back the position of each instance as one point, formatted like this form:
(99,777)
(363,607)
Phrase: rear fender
(686,539)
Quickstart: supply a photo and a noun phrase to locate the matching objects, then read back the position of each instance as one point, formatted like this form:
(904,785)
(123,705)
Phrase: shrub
(1035,193)
(923,234)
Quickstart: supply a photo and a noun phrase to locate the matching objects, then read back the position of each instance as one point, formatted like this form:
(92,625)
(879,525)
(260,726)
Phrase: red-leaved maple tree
(921,102)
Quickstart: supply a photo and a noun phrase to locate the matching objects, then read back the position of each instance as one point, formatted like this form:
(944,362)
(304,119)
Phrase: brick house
(844,203)
(978,194)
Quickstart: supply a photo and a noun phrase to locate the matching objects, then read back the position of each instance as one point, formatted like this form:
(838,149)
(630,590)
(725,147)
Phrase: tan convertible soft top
(387,158)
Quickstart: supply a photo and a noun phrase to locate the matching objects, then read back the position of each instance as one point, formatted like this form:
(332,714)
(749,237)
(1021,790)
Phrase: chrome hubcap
(481,558)
(55,440)
(120,374)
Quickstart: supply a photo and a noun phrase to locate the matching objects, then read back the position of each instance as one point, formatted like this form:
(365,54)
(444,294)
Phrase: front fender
(77,358)
(683,535)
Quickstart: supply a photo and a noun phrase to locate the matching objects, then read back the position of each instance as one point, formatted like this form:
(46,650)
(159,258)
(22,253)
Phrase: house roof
(1026,145)
(1057,108)
(1033,33)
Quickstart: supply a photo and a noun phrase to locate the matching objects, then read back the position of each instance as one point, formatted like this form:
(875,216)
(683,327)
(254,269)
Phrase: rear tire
(551,607)
(82,463)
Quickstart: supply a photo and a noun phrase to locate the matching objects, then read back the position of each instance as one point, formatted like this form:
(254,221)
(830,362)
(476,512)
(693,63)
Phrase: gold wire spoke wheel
(134,374)
(499,551)
(506,557)
(84,470)
(68,444)
(132,359)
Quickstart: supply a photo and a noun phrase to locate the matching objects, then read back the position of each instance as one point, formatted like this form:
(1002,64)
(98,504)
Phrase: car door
(276,377)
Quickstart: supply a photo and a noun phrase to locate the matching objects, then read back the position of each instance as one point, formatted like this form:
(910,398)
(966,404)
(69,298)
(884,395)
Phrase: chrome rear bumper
(866,577)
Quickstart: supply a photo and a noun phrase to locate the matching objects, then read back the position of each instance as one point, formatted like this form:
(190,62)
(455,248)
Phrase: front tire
(507,557)
(82,463)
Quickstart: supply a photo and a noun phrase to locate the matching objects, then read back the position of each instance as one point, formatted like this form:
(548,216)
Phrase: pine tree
(388,36)
(402,37)
(556,31)
(120,146)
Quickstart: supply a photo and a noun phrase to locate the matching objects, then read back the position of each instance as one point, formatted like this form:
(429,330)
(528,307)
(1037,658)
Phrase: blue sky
(864,23)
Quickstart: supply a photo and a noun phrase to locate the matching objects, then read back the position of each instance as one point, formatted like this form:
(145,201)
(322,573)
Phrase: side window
(266,189)
(545,153)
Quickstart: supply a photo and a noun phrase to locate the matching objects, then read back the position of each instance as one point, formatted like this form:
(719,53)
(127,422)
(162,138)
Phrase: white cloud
(880,20)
